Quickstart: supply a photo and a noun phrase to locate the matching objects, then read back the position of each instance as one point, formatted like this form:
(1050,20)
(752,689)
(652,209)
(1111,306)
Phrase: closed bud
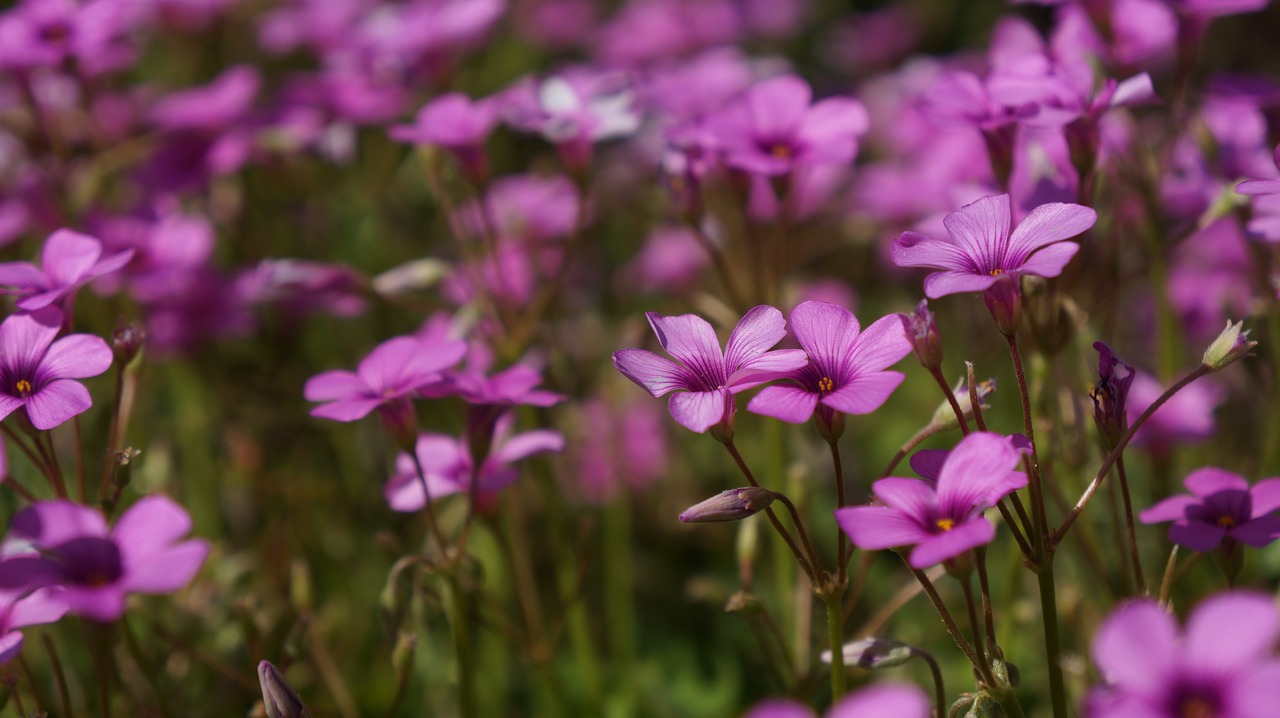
(731,505)
(279,698)
(126,341)
(976,705)
(1111,395)
(945,417)
(874,653)
(1231,344)
(1004,301)
(921,329)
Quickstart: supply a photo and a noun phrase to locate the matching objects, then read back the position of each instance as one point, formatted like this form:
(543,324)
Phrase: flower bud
(922,331)
(945,416)
(279,698)
(126,341)
(731,505)
(874,653)
(1111,395)
(1231,344)
(1004,301)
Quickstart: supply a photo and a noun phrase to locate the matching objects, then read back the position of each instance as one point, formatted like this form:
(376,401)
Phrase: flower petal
(67,256)
(1256,693)
(691,340)
(346,409)
(777,105)
(981,230)
(76,356)
(865,393)
(1173,508)
(777,364)
(1210,480)
(880,346)
(168,570)
(949,544)
(756,333)
(335,384)
(656,374)
(826,332)
(24,337)
(1266,496)
(1196,536)
(1136,646)
(1231,632)
(1047,224)
(524,445)
(940,284)
(43,605)
(1049,262)
(153,521)
(885,699)
(877,527)
(56,402)
(1257,533)
(914,497)
(788,403)
(49,523)
(912,249)
(699,410)
(980,463)
(928,462)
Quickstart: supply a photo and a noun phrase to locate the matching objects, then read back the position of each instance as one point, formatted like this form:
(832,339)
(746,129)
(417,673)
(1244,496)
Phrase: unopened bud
(874,653)
(1004,301)
(921,329)
(731,505)
(976,705)
(279,698)
(1231,344)
(1111,395)
(126,341)
(945,416)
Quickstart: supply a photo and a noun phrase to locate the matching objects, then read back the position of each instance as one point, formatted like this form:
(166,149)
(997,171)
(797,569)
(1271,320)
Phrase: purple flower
(981,251)
(878,701)
(945,521)
(448,465)
(22,607)
(1111,395)
(97,566)
(1222,505)
(453,121)
(846,369)
(36,372)
(772,128)
(573,110)
(1220,667)
(392,371)
(708,376)
(68,260)
(1186,418)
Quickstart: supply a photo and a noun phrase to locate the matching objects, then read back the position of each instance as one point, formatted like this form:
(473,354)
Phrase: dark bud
(279,698)
(127,341)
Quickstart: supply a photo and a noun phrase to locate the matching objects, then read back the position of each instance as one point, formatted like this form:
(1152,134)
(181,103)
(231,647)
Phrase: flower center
(825,384)
(996,272)
(1226,522)
(23,386)
(780,151)
(945,524)
(1196,708)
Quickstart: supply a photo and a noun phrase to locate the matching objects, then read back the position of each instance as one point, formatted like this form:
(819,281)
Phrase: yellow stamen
(825,384)
(24,386)
(1226,522)
(996,272)
(945,524)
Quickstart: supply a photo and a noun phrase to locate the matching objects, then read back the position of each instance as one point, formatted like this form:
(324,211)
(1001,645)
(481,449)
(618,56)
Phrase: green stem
(843,546)
(63,695)
(462,646)
(810,568)
(936,372)
(1052,644)
(835,636)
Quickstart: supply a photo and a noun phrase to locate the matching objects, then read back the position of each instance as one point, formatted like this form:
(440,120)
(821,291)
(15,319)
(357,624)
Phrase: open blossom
(708,377)
(1221,505)
(455,122)
(68,260)
(37,372)
(98,566)
(773,128)
(981,251)
(21,607)
(945,520)
(1221,666)
(846,370)
(392,371)
(879,701)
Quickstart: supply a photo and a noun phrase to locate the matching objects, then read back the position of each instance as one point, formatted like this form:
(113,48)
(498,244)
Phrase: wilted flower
(1221,666)
(1222,505)
(708,376)
(97,566)
(945,521)
(1111,395)
(36,372)
(921,328)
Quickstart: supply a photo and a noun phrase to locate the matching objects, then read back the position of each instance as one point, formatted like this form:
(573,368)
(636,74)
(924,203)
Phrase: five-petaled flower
(36,372)
(846,370)
(1222,505)
(392,372)
(68,261)
(942,521)
(709,377)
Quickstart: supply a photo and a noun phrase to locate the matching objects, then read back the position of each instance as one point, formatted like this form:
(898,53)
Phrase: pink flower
(69,260)
(37,372)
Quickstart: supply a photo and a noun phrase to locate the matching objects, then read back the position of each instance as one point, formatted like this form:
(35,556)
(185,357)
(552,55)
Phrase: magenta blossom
(884,700)
(710,378)
(1222,505)
(981,250)
(772,129)
(97,566)
(945,521)
(68,260)
(846,370)
(453,121)
(1221,666)
(447,465)
(36,372)
(393,371)
(21,607)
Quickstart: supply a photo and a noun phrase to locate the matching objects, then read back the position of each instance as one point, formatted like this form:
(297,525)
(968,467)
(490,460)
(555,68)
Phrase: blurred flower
(731,505)
(448,464)
(708,376)
(526,207)
(205,130)
(618,447)
(945,521)
(47,33)
(1223,505)
(1186,418)
(846,372)
(22,607)
(455,122)
(392,372)
(69,260)
(1231,345)
(573,110)
(773,128)
(670,260)
(300,287)
(877,701)
(36,372)
(921,329)
(97,566)
(1220,667)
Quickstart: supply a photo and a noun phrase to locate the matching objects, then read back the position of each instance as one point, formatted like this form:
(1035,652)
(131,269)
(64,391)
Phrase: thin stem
(805,564)
(795,519)
(113,433)
(37,695)
(936,372)
(956,634)
(1166,583)
(1052,644)
(26,451)
(1038,515)
(975,628)
(835,636)
(1013,529)
(462,646)
(844,547)
(61,485)
(907,448)
(1134,558)
(1120,446)
(432,526)
(974,401)
(63,695)
(984,586)
(939,689)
